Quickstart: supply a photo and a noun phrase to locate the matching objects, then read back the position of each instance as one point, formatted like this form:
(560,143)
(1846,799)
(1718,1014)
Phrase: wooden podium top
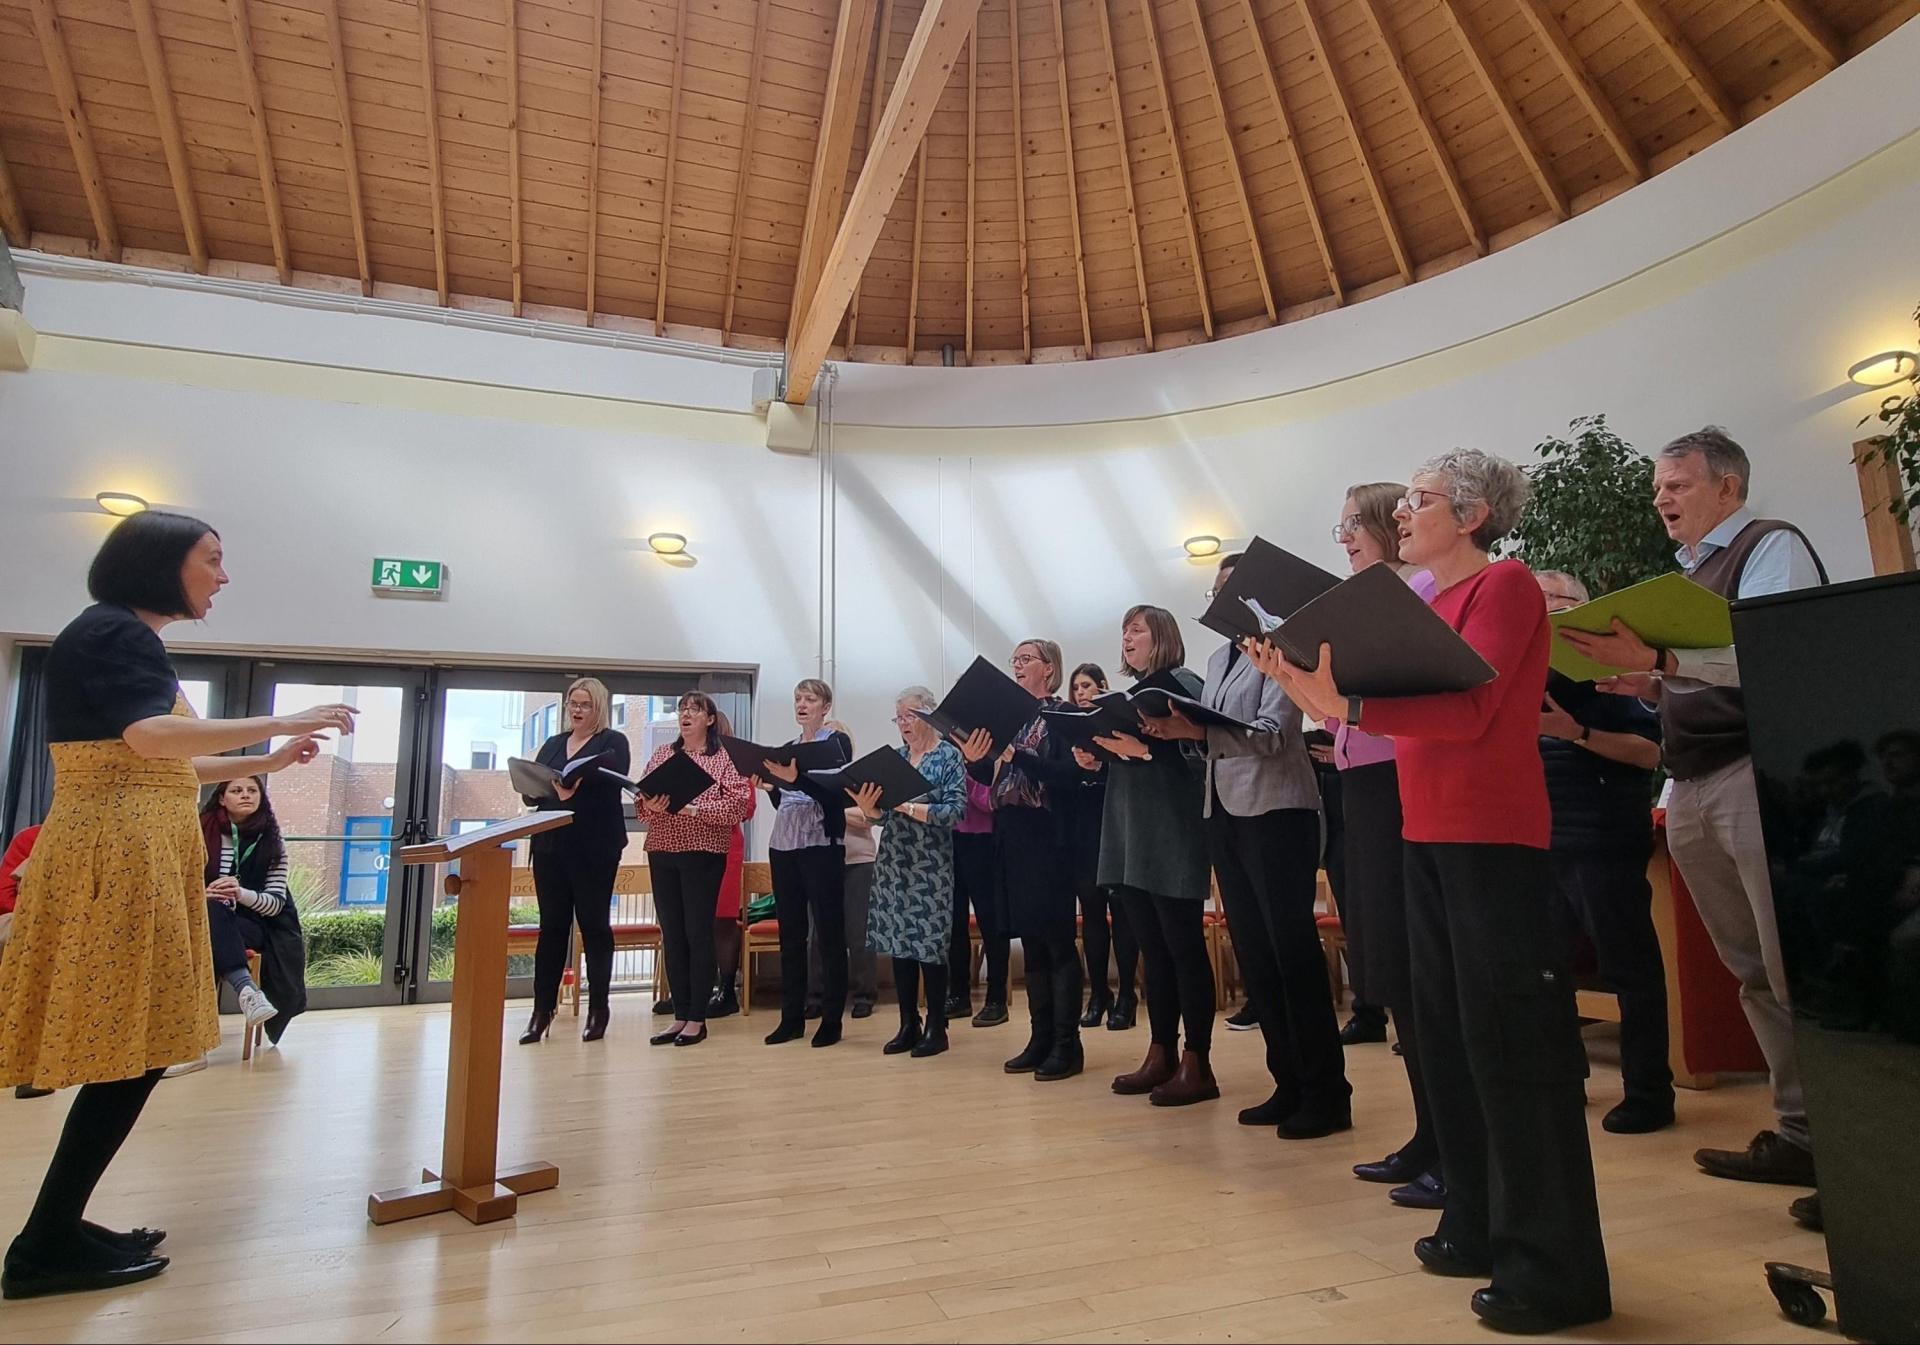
(452,847)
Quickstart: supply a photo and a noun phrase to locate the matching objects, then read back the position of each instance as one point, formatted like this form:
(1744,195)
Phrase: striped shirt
(270,900)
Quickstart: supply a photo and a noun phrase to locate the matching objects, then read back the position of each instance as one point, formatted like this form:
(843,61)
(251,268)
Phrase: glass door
(343,815)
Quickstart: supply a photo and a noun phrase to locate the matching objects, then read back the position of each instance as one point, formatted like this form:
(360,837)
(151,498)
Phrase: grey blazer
(1255,773)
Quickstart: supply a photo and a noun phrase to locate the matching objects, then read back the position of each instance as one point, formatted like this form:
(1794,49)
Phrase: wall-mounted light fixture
(667,543)
(120,503)
(1889,366)
(1202,546)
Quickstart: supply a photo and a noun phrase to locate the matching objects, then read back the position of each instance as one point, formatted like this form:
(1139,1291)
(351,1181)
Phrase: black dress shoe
(862,1009)
(786,1032)
(1443,1257)
(23,1279)
(1271,1112)
(1395,1168)
(596,1027)
(1361,1031)
(663,1006)
(691,1038)
(1806,1213)
(828,1033)
(1063,1062)
(1768,1159)
(723,1006)
(958,1007)
(1638,1116)
(904,1040)
(1120,1017)
(1425,1192)
(1506,1311)
(1244,1019)
(1316,1121)
(1029,1060)
(992,1014)
(537,1027)
(1096,1010)
(136,1242)
(666,1038)
(933,1043)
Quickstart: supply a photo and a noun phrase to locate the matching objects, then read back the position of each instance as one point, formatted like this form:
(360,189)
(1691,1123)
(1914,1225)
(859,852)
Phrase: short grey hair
(1575,589)
(916,698)
(1475,477)
(1724,456)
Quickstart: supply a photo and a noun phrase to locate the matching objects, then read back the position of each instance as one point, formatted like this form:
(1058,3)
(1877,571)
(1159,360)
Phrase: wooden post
(469,1181)
(1890,544)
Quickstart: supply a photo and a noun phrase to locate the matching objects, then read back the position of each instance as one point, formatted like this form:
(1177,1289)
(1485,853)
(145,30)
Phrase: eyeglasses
(1346,528)
(1417,499)
(1022,659)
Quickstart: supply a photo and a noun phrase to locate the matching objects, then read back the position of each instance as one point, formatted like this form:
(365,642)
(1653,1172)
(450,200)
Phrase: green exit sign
(413,578)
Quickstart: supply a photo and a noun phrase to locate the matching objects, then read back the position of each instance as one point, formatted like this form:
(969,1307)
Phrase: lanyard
(240,856)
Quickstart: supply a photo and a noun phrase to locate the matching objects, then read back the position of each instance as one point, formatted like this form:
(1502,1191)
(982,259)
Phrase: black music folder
(751,758)
(679,777)
(1156,702)
(1267,583)
(1386,641)
(532,780)
(983,698)
(900,780)
(1078,727)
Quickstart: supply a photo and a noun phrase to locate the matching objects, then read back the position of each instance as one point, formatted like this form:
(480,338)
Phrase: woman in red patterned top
(687,852)
(1492,985)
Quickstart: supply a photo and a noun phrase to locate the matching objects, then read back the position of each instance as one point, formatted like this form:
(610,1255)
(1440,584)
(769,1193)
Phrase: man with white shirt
(1713,816)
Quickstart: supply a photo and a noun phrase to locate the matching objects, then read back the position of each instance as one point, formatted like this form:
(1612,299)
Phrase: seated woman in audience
(912,902)
(1153,856)
(687,852)
(1032,864)
(862,847)
(1493,991)
(249,905)
(1103,922)
(808,860)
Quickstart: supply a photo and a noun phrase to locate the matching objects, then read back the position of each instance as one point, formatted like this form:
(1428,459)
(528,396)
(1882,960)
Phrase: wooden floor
(738,1192)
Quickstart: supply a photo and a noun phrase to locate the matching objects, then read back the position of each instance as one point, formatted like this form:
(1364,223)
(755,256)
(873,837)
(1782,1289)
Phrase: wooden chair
(1219,946)
(1333,939)
(250,1036)
(635,926)
(762,936)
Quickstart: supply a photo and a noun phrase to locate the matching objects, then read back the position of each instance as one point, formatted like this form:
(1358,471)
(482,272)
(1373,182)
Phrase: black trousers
(574,888)
(1173,944)
(973,884)
(1493,995)
(98,1123)
(1268,867)
(1097,907)
(1607,896)
(811,882)
(686,889)
(1053,988)
(232,930)
(906,988)
(863,965)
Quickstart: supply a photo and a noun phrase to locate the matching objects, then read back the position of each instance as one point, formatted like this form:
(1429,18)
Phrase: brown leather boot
(1192,1082)
(1155,1070)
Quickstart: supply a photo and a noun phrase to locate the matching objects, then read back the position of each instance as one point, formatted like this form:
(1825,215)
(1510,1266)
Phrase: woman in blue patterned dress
(910,914)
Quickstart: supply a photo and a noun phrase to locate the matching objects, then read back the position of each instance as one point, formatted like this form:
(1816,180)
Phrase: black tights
(726,955)
(1097,907)
(906,985)
(97,1125)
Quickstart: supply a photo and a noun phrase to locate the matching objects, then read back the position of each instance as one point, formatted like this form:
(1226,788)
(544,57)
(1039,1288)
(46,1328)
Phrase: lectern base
(482,1203)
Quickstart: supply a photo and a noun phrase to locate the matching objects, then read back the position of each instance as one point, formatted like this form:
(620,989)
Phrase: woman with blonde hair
(574,867)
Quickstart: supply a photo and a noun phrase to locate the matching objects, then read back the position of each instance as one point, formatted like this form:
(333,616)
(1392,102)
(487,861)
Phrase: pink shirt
(978,819)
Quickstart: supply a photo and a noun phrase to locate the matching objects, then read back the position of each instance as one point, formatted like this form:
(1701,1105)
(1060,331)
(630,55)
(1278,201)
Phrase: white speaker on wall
(766,386)
(791,429)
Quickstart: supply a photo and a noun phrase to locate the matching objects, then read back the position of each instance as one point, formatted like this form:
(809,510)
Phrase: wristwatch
(1586,732)
(1353,710)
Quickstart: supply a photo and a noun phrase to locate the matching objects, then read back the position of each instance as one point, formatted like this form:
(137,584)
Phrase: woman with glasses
(1103,921)
(1493,994)
(911,908)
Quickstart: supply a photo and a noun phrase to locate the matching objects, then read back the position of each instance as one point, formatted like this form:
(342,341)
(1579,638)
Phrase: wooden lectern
(468,1181)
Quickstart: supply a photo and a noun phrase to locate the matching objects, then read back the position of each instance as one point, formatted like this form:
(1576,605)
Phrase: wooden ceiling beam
(597,76)
(436,186)
(943,26)
(1233,163)
(1376,189)
(350,156)
(13,214)
(673,140)
(1126,169)
(262,141)
(1020,180)
(1696,73)
(160,91)
(1805,23)
(833,153)
(746,160)
(515,210)
(66,93)
(973,96)
(1073,181)
(1429,131)
(1508,110)
(1271,83)
(1591,96)
(876,102)
(919,217)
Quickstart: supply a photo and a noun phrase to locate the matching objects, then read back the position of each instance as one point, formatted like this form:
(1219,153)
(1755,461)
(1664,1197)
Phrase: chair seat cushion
(764,929)
(1327,922)
(639,929)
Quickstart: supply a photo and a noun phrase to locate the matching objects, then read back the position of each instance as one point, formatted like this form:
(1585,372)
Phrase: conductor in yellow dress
(108,977)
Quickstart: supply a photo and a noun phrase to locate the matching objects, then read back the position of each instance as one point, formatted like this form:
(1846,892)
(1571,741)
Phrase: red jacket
(17,852)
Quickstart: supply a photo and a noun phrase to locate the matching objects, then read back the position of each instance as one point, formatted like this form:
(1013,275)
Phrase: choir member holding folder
(808,861)
(1032,862)
(1153,855)
(1493,993)
(687,851)
(574,867)
(1103,922)
(1262,809)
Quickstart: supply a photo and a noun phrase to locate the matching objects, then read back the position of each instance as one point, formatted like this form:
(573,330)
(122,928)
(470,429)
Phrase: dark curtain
(29,765)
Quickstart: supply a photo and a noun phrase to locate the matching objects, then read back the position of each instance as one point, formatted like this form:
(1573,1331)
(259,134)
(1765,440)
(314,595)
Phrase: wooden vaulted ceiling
(1096,176)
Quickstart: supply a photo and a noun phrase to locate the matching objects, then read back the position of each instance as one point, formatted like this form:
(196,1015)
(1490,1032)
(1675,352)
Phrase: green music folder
(1671,612)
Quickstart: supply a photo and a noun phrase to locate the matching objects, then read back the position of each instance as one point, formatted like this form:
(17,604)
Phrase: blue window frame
(364,860)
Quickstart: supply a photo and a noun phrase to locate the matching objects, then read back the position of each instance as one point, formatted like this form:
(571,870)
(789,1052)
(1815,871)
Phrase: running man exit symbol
(413,578)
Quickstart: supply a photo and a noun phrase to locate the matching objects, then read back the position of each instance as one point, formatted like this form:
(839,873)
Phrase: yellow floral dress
(109,972)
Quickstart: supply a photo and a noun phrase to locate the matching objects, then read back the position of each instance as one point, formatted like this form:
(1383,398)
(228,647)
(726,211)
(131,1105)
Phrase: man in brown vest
(1713,816)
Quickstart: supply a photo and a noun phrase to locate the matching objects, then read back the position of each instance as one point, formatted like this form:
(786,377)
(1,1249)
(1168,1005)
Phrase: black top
(1085,805)
(106,670)
(599,811)
(1598,804)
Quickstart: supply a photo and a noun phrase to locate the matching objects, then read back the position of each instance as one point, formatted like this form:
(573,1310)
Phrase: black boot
(934,1040)
(596,1027)
(1030,1059)
(906,1038)
(1040,1016)
(1063,1062)
(1066,1059)
(1120,1016)
(1097,1005)
(725,1002)
(537,1026)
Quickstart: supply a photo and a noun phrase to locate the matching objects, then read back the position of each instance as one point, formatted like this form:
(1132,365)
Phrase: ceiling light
(1889,366)
(1202,545)
(120,503)
(668,543)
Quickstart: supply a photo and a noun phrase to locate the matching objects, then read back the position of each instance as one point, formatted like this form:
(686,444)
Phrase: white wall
(315,441)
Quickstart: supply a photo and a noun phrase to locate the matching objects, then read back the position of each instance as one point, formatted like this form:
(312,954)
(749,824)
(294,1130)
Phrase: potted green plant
(1899,445)
(1591,510)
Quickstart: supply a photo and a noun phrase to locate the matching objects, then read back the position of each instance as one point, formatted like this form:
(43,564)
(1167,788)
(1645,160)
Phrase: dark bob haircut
(139,564)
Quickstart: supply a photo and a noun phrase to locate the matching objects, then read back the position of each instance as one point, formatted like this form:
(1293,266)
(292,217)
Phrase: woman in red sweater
(1493,992)
(687,852)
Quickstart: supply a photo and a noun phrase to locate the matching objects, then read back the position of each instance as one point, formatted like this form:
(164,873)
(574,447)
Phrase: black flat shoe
(684,1040)
(663,1039)
(22,1279)
(1443,1257)
(786,1032)
(1244,1019)
(828,1033)
(934,1043)
(1506,1311)
(1271,1112)
(1638,1116)
(138,1242)
(1363,1031)
(1806,1212)
(723,1006)
(862,1009)
(958,1007)
(1425,1192)
(992,1014)
(1395,1169)
(1120,1016)
(1315,1122)
(663,1006)
(27,1090)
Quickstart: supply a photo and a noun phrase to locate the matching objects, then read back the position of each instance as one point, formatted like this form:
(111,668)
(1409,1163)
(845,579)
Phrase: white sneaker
(185,1067)
(256,1006)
